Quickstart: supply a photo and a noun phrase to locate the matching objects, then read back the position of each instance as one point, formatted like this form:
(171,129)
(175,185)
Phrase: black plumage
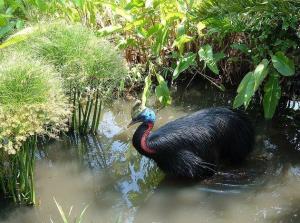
(193,146)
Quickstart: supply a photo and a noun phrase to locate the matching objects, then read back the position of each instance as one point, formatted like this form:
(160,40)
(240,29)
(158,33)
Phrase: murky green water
(118,185)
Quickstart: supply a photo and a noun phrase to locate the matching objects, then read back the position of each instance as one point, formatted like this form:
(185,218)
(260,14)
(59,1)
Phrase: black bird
(193,146)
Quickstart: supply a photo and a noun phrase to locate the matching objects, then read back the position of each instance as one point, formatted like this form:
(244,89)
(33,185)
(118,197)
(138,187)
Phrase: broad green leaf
(283,64)
(245,90)
(260,73)
(79,3)
(4,30)
(180,30)
(124,43)
(240,46)
(170,17)
(154,29)
(206,55)
(141,32)
(250,90)
(1,4)
(3,20)
(146,91)
(41,4)
(250,84)
(18,37)
(272,95)
(162,91)
(109,30)
(119,11)
(149,4)
(20,24)
(181,41)
(213,67)
(218,56)
(200,27)
(134,4)
(183,64)
(160,40)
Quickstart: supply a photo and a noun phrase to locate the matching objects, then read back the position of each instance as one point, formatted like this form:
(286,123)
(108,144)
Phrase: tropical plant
(268,34)
(91,68)
(32,104)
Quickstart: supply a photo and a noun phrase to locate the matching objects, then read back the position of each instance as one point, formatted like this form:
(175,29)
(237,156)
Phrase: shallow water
(118,185)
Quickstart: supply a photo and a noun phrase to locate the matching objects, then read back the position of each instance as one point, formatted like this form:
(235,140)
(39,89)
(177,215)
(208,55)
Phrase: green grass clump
(32,101)
(91,68)
(32,105)
(83,59)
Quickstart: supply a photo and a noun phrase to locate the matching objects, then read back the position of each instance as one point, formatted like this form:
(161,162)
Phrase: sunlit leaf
(124,43)
(79,3)
(245,91)
(20,24)
(154,29)
(134,4)
(206,54)
(180,29)
(4,30)
(181,41)
(160,40)
(162,91)
(41,4)
(146,91)
(183,64)
(18,37)
(1,4)
(174,16)
(149,4)
(109,30)
(119,11)
(272,95)
(260,73)
(283,64)
(200,27)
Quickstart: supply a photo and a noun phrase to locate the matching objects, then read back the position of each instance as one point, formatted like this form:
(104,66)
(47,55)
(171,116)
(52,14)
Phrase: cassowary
(193,146)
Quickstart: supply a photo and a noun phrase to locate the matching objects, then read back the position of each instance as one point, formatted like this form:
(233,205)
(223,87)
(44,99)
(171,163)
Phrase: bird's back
(211,134)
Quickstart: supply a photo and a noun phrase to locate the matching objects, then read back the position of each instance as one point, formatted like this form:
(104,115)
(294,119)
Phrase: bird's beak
(132,123)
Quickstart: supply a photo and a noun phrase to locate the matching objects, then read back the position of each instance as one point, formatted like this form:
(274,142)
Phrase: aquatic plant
(63,215)
(91,68)
(32,105)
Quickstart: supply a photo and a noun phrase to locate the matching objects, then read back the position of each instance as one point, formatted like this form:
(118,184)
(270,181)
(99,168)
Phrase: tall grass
(32,105)
(92,68)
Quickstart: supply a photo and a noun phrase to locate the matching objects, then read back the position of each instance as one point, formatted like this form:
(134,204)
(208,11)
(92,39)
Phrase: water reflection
(107,173)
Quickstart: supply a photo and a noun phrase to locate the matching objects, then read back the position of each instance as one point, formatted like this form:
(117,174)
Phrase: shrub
(91,68)
(268,34)
(83,59)
(32,104)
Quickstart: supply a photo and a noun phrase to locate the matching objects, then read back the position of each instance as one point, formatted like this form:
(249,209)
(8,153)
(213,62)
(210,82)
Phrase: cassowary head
(141,114)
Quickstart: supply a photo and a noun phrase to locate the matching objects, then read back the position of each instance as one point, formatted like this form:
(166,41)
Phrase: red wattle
(144,145)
